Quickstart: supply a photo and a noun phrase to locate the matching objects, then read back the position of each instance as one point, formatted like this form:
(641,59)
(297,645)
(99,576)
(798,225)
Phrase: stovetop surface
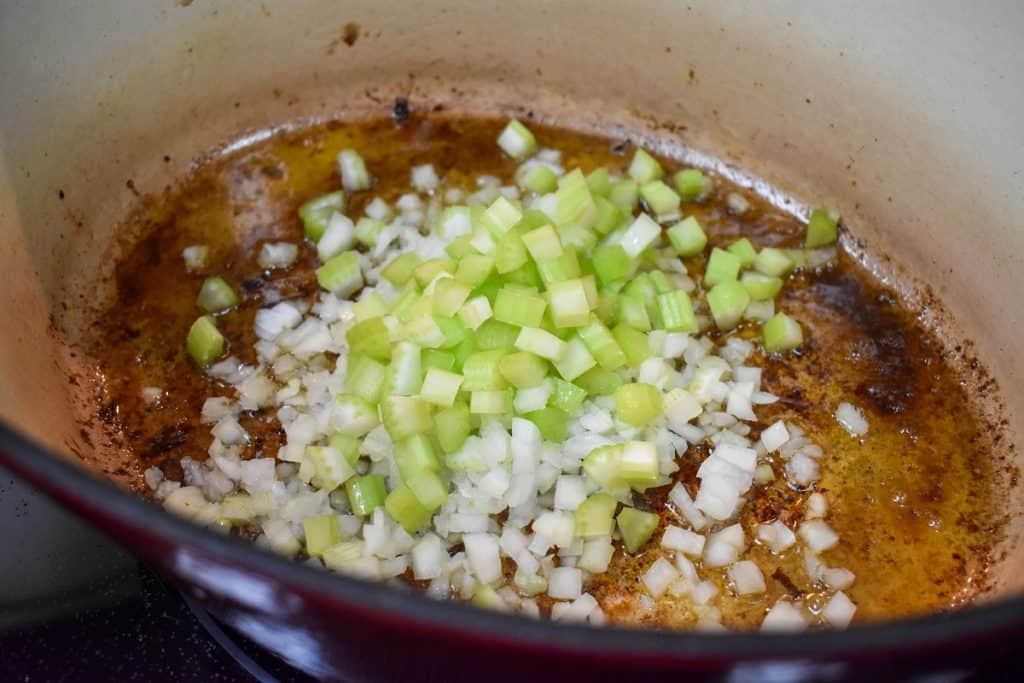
(76,607)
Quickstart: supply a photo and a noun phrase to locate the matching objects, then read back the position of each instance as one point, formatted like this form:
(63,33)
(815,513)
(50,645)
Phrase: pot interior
(835,105)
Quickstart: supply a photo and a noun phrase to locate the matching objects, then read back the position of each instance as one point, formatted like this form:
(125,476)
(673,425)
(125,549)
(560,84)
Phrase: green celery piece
(633,343)
(401,268)
(316,213)
(204,343)
(611,263)
(216,295)
(599,382)
(404,416)
(596,516)
(519,307)
(743,249)
(342,275)
(428,270)
(687,237)
(722,267)
(644,168)
(322,532)
(510,253)
(761,287)
(552,423)
(523,369)
(728,301)
(567,396)
(773,262)
(625,194)
(415,455)
(822,229)
(781,333)
(599,182)
(365,493)
(689,183)
(481,371)
(406,509)
(675,312)
(638,403)
(636,527)
(495,335)
(371,338)
(453,427)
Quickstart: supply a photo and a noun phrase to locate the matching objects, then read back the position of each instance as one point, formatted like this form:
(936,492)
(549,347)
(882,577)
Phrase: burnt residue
(915,500)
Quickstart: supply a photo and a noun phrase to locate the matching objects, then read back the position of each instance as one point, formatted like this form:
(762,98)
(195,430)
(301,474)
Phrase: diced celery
(494,402)
(641,288)
(422,328)
(568,303)
(463,351)
(519,307)
(602,345)
(543,243)
(449,295)
(773,262)
(689,183)
(559,269)
(744,250)
(822,229)
(781,333)
(406,509)
(638,404)
(761,287)
(370,338)
(332,469)
(722,267)
(368,230)
(566,396)
(525,276)
(341,275)
(797,256)
(430,490)
(675,312)
(642,233)
(612,263)
(552,423)
(636,527)
(216,295)
(435,358)
(599,182)
(575,361)
(404,416)
(510,253)
(322,531)
(372,305)
(596,516)
(500,216)
(599,382)
(365,377)
(633,343)
(644,168)
(316,213)
(353,416)
(632,311)
(414,455)
(687,237)
(481,371)
(461,247)
(609,216)
(517,141)
(348,446)
(409,297)
(204,343)
(575,203)
(531,220)
(400,270)
(537,178)
(405,374)
(474,269)
(661,199)
(453,427)
(496,336)
(523,369)
(354,175)
(625,194)
(604,465)
(660,282)
(440,387)
(639,464)
(728,301)
(575,235)
(366,493)
(428,270)
(475,312)
(540,342)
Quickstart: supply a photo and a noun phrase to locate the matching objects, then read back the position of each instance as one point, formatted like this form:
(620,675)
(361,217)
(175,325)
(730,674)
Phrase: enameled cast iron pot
(919,102)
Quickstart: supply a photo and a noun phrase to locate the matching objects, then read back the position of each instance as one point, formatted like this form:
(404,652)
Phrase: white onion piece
(747,578)
(773,437)
(482,553)
(723,547)
(839,611)
(851,419)
(658,577)
(565,583)
(682,540)
(818,535)
(784,616)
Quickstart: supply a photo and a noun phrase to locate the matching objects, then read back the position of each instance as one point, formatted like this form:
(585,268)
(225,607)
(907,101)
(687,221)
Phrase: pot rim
(88,495)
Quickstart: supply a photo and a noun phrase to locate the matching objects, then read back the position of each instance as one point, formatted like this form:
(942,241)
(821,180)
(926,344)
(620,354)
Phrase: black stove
(76,607)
